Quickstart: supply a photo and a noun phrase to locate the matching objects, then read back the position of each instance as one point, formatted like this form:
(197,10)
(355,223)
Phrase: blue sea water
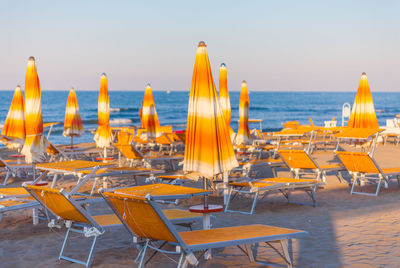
(272,107)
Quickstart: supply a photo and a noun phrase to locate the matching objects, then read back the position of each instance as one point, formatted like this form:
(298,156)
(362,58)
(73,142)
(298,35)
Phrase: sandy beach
(343,231)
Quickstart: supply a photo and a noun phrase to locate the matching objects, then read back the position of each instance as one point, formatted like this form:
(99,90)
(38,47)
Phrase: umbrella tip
(148,85)
(103,74)
(364,73)
(244,81)
(72,88)
(223,65)
(31,58)
(202,44)
(18,87)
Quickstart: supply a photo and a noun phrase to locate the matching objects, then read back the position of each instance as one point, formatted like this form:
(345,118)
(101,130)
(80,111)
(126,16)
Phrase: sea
(273,108)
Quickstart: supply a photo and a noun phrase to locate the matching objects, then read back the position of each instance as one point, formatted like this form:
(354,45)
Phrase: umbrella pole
(105,154)
(205,196)
(225,182)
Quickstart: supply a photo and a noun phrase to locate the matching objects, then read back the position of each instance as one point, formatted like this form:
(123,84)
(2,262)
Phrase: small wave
(120,121)
(90,121)
(380,111)
(124,109)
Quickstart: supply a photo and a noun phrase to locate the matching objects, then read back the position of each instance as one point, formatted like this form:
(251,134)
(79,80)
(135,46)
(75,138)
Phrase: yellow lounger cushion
(158,189)
(13,191)
(200,237)
(70,166)
(290,180)
(9,203)
(258,184)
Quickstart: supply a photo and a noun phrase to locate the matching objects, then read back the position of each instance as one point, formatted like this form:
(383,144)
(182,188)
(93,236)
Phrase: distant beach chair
(77,219)
(264,186)
(363,167)
(13,168)
(11,204)
(301,160)
(144,219)
(133,156)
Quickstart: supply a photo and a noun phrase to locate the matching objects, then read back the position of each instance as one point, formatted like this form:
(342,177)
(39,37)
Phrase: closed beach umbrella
(149,115)
(208,149)
(73,126)
(243,134)
(35,143)
(103,135)
(363,111)
(223,94)
(14,127)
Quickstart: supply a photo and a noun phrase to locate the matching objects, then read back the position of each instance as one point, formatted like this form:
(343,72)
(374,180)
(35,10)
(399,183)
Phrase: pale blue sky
(274,45)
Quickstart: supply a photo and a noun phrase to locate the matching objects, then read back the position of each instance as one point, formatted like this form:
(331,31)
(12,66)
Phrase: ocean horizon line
(250,91)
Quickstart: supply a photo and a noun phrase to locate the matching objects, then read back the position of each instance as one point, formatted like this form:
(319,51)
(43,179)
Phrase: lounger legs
(90,256)
(356,178)
(285,249)
(243,212)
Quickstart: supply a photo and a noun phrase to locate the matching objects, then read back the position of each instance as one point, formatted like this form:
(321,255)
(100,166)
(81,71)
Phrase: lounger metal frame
(320,173)
(359,177)
(284,189)
(186,252)
(93,229)
(12,170)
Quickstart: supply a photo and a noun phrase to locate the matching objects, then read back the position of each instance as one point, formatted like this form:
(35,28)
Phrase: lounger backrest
(358,162)
(128,151)
(291,124)
(181,136)
(140,216)
(57,203)
(165,138)
(297,159)
(52,150)
(165,129)
(124,137)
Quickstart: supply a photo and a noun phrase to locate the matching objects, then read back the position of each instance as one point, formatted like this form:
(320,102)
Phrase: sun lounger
(11,204)
(146,221)
(13,192)
(13,168)
(265,186)
(301,160)
(134,156)
(60,204)
(363,167)
(74,167)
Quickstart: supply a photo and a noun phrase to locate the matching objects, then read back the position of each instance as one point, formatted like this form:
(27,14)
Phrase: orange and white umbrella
(223,94)
(35,143)
(243,133)
(103,135)
(149,115)
(363,111)
(73,126)
(208,149)
(14,127)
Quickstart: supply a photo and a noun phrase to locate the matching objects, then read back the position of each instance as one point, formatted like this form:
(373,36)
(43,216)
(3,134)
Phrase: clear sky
(274,45)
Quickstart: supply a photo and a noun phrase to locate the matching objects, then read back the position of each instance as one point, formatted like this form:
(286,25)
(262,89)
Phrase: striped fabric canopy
(224,94)
(363,111)
(149,117)
(35,143)
(208,149)
(14,126)
(103,135)
(72,123)
(243,134)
